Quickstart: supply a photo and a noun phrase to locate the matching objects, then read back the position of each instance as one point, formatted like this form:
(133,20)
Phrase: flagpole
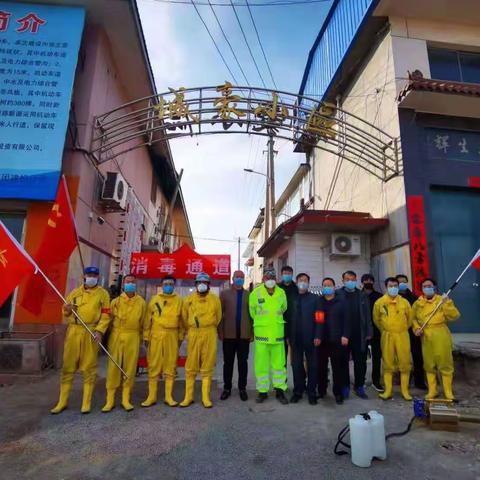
(64,180)
(449,291)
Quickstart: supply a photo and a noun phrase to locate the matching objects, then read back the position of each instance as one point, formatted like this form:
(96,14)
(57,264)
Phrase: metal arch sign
(230,109)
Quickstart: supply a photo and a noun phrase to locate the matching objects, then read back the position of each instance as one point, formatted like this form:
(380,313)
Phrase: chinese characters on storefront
(453,145)
(38,54)
(184,263)
(418,241)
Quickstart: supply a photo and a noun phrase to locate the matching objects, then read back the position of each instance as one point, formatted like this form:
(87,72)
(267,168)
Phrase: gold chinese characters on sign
(230,108)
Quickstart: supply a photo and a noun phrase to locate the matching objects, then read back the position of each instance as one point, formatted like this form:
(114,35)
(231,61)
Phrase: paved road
(230,441)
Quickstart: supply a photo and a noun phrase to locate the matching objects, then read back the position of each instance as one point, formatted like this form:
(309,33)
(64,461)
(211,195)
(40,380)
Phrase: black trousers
(359,357)
(241,348)
(336,354)
(417,357)
(376,360)
(304,380)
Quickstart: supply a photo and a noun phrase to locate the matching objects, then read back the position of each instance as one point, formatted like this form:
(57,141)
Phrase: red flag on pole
(15,264)
(58,242)
(476,260)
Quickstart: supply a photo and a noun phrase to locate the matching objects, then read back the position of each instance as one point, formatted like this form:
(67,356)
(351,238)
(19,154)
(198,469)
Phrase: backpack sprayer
(367,430)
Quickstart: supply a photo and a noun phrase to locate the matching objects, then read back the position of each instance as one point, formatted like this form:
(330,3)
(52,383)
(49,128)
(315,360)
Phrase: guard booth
(184,264)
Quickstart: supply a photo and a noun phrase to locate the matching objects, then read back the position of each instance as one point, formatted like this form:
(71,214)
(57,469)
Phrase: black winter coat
(336,323)
(303,325)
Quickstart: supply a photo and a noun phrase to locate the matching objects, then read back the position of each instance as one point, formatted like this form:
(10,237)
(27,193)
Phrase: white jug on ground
(361,441)
(379,446)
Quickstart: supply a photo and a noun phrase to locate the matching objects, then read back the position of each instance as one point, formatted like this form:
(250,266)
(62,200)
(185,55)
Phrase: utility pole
(238,265)
(271,155)
(266,215)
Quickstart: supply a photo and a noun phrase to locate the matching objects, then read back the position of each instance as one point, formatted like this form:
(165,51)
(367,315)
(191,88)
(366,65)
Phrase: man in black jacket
(368,282)
(415,342)
(291,291)
(331,339)
(360,320)
(305,309)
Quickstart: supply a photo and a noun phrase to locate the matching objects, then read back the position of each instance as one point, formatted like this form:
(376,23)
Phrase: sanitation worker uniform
(392,318)
(268,327)
(201,316)
(127,315)
(436,342)
(80,349)
(162,330)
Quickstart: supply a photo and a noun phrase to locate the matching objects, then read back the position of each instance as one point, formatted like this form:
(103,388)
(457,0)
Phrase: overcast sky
(222,200)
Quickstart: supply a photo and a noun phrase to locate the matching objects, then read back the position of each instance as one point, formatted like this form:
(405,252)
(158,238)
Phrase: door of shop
(456,236)
(14,222)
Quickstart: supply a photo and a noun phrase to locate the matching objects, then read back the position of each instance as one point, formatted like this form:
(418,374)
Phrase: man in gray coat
(236,332)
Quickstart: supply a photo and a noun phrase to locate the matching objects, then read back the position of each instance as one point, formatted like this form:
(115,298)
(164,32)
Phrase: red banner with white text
(184,263)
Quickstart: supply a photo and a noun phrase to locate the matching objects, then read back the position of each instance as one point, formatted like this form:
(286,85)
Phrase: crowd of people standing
(283,319)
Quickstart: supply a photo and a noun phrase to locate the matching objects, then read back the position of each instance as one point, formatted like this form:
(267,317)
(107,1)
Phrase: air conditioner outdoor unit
(114,194)
(346,244)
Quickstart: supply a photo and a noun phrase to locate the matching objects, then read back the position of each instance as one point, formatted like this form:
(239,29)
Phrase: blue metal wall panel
(336,36)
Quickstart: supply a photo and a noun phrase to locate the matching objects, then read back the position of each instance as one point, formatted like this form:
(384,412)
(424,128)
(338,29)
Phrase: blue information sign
(453,145)
(38,54)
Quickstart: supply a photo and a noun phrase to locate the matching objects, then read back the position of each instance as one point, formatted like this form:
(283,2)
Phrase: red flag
(476,260)
(58,242)
(15,263)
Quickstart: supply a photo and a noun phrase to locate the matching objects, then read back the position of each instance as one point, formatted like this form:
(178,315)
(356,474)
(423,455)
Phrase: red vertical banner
(418,241)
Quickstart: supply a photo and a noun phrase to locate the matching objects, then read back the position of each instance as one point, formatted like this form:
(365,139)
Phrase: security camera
(100,220)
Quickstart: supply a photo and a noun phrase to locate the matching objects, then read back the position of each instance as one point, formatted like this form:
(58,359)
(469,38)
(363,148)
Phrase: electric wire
(246,42)
(260,43)
(214,42)
(280,3)
(228,42)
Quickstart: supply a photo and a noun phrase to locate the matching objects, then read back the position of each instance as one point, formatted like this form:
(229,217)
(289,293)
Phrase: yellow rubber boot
(110,402)
(126,399)
(432,386)
(169,393)
(447,381)
(388,384)
(65,389)
(404,382)
(189,391)
(206,385)
(152,393)
(88,389)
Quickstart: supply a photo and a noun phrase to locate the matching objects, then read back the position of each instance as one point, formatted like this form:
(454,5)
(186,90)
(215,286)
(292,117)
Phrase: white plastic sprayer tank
(379,446)
(361,441)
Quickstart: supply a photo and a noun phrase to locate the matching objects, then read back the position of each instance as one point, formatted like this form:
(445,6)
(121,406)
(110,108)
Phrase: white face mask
(91,282)
(202,288)
(270,283)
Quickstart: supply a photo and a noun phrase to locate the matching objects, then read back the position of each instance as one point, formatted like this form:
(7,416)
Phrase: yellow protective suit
(201,316)
(392,318)
(436,337)
(80,350)
(127,314)
(162,330)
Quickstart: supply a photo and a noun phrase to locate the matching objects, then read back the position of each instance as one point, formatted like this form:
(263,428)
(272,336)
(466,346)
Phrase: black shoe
(295,398)
(243,395)
(280,396)
(338,399)
(261,397)
(312,400)
(225,394)
(378,387)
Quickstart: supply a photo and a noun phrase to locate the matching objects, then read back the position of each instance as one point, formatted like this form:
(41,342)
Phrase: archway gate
(306,122)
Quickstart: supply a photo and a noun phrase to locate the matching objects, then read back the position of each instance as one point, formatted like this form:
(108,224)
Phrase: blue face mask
(428,291)
(238,281)
(129,287)
(351,284)
(328,290)
(392,291)
(403,287)
(287,278)
(168,289)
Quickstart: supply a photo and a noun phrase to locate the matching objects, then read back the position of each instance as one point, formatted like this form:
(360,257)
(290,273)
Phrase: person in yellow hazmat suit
(126,319)
(391,315)
(92,304)
(162,331)
(201,314)
(436,337)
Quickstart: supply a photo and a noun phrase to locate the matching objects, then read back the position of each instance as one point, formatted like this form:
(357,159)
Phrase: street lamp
(249,170)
